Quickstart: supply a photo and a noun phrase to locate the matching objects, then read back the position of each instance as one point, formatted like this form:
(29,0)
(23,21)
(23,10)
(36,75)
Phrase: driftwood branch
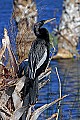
(45,74)
(37,112)
(41,84)
(21,104)
(60,92)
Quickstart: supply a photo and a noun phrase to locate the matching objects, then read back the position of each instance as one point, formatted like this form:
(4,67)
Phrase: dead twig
(37,112)
(41,84)
(44,74)
(53,116)
(60,93)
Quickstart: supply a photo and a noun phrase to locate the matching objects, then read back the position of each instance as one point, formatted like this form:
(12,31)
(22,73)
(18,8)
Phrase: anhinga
(39,53)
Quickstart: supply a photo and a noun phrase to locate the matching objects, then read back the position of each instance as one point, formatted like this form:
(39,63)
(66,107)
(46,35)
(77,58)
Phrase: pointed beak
(46,21)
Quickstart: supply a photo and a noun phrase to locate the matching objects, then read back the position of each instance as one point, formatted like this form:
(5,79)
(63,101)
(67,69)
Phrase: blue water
(48,9)
(5,14)
(69,70)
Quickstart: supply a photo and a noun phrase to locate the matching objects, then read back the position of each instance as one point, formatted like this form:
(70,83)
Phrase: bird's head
(38,26)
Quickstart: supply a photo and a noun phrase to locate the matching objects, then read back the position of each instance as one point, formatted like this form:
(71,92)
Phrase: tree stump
(25,14)
(69,29)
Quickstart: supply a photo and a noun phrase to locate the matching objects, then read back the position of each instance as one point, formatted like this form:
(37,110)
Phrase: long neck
(44,34)
(41,33)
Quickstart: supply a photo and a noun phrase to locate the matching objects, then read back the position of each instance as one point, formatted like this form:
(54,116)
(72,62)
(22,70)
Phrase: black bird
(39,53)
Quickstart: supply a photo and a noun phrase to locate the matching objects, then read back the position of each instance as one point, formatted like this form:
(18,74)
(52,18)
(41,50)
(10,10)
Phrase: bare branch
(60,93)
(37,112)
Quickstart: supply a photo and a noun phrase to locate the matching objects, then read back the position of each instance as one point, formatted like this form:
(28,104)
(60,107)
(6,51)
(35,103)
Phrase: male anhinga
(39,53)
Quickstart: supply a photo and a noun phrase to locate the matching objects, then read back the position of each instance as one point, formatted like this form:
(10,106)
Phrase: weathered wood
(2,50)
(37,112)
(18,113)
(29,113)
(20,97)
(42,84)
(25,14)
(44,74)
(16,94)
(69,30)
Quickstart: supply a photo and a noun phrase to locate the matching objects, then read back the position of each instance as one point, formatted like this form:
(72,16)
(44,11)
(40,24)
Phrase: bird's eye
(28,7)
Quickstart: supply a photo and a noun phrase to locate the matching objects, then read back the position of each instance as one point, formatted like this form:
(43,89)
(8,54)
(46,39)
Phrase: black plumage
(39,52)
(38,58)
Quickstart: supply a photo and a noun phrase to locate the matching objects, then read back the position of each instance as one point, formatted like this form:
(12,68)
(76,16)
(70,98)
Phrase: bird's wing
(37,56)
(41,61)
